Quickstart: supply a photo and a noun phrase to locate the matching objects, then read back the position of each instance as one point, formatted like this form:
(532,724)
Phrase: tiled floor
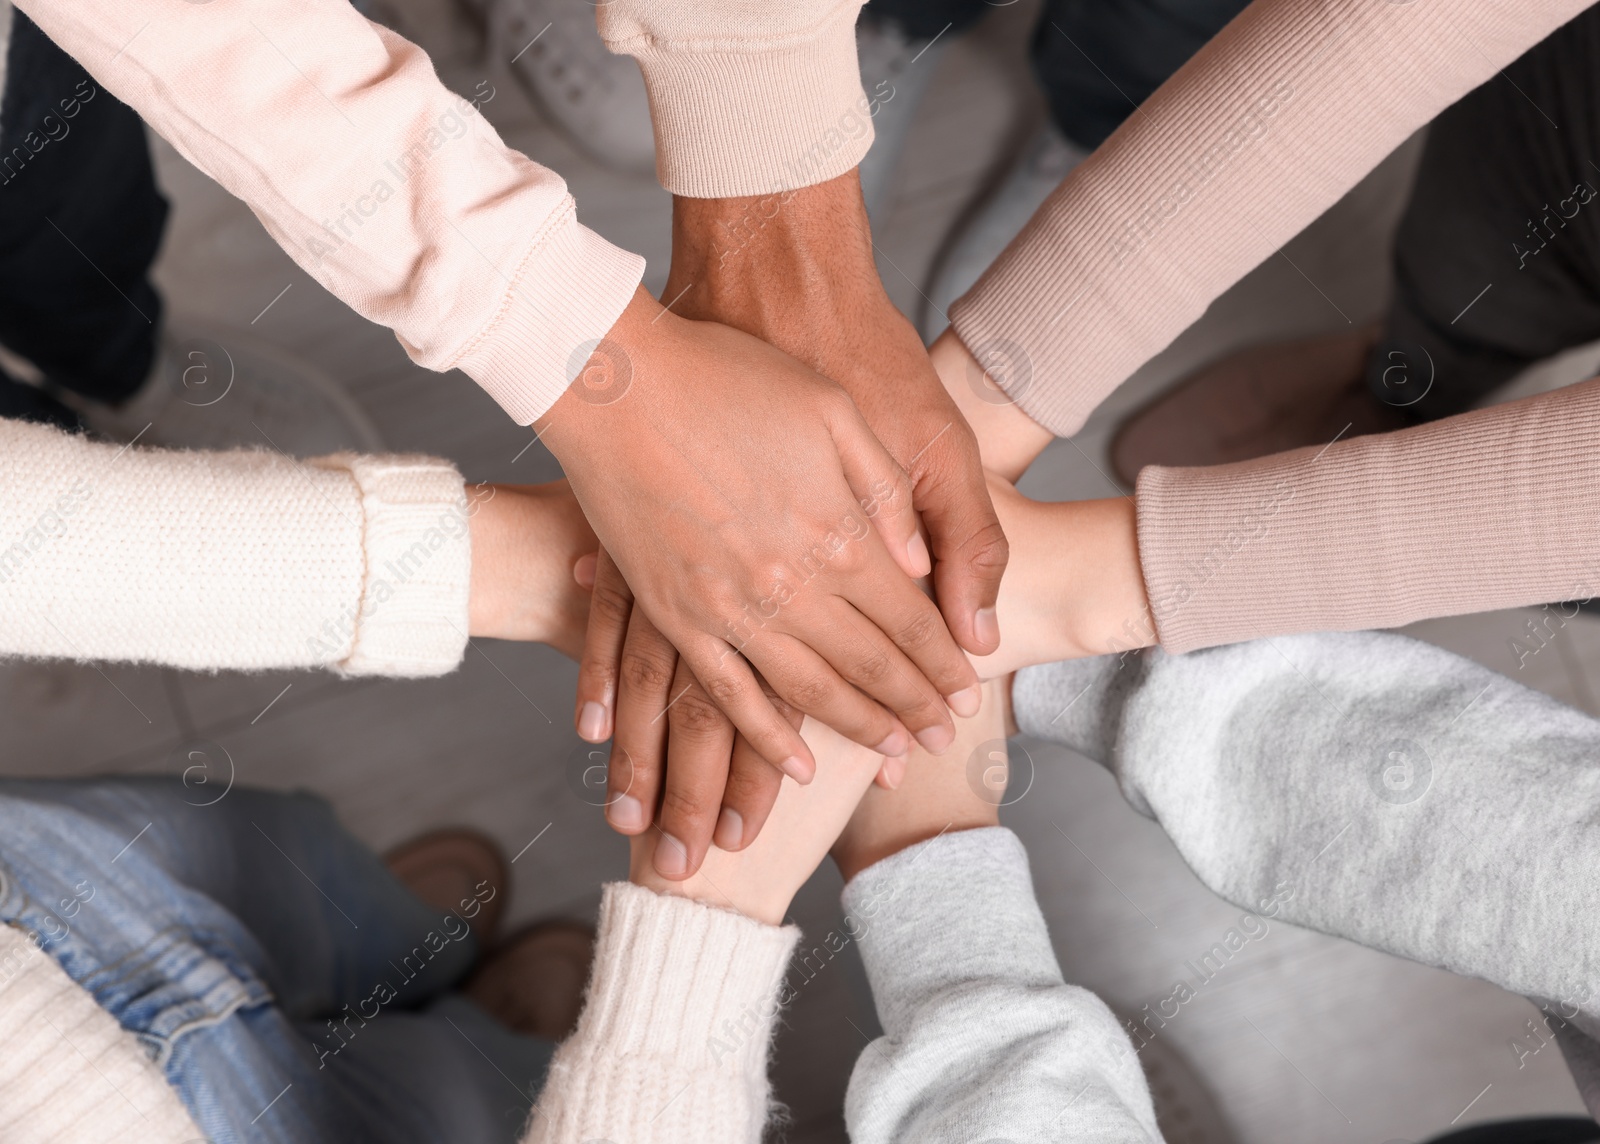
(1308,1039)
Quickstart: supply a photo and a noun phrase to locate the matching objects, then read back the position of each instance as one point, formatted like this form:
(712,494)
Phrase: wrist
(721,881)
(1008,439)
(525,541)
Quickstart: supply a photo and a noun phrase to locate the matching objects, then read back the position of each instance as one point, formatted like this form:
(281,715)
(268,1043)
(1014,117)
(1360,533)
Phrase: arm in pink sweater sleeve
(382,185)
(1291,105)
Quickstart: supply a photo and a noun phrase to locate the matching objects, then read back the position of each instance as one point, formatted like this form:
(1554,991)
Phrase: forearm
(393,193)
(245,560)
(1256,136)
(972,1002)
(1363,784)
(1490,509)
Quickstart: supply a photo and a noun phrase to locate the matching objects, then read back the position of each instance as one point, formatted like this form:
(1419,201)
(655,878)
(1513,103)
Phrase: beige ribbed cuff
(1491,509)
(418,549)
(747,103)
(674,1036)
(563,298)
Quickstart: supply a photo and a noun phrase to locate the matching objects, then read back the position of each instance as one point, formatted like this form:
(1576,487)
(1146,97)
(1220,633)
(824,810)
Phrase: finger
(753,786)
(882,489)
(610,605)
(969,546)
(638,751)
(892,773)
(802,678)
(699,743)
(729,681)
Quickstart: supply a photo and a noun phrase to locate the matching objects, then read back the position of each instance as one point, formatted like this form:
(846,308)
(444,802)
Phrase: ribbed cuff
(738,112)
(417,545)
(959,907)
(563,298)
(674,1036)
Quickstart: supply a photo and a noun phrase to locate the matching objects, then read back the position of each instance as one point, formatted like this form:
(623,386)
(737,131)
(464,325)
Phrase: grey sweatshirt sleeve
(983,1040)
(1372,787)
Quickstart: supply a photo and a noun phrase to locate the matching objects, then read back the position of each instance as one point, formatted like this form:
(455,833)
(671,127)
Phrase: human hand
(762,528)
(796,270)
(527,541)
(1008,439)
(937,795)
(761,880)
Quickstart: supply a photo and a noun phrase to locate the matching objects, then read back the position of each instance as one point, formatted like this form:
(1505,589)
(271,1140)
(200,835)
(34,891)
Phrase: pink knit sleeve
(1492,509)
(383,186)
(747,97)
(1258,134)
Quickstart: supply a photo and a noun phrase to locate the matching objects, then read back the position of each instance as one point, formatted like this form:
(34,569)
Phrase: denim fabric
(1096,60)
(291,989)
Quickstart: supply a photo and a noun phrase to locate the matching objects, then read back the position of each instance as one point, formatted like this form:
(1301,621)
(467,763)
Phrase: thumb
(883,491)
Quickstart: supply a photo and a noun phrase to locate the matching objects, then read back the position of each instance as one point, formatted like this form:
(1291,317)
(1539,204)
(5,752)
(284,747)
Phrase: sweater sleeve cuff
(412,618)
(560,302)
(964,902)
(747,103)
(674,1035)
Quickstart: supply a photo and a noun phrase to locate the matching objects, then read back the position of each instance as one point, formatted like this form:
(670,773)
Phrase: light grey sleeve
(1372,787)
(983,1041)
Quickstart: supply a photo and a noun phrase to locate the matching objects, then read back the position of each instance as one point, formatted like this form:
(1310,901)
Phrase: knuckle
(873,669)
(808,693)
(609,604)
(723,690)
(920,630)
(680,805)
(987,551)
(695,715)
(643,671)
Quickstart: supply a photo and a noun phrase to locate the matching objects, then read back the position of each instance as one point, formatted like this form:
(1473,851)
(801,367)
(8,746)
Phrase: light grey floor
(1304,1038)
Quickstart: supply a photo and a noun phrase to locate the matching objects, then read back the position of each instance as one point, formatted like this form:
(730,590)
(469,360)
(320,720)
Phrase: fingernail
(797,769)
(730,829)
(917,550)
(894,773)
(626,813)
(672,860)
(592,722)
(936,739)
(898,743)
(966,702)
(583,570)
(986,627)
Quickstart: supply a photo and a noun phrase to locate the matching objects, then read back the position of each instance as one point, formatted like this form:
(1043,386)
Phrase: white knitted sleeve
(673,1042)
(244,560)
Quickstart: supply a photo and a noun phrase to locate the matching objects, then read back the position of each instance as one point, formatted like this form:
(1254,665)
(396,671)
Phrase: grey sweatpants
(1417,802)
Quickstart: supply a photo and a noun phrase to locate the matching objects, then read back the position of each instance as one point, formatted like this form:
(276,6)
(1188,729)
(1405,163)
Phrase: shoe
(447,867)
(535,982)
(595,98)
(1261,400)
(1047,158)
(1186,1112)
(219,389)
(1544,1130)
(896,71)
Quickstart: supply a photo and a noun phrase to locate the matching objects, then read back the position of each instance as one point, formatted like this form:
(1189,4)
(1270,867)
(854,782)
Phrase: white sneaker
(219,389)
(1047,159)
(595,98)
(895,71)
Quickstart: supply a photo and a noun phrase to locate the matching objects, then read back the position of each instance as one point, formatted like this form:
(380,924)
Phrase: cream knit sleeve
(748,97)
(243,560)
(1285,110)
(673,1042)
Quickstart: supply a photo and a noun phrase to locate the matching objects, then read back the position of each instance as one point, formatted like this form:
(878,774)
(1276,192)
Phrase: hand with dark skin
(795,269)
(766,535)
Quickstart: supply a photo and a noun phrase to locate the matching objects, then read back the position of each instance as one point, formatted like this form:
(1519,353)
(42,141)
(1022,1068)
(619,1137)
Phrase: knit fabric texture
(746,99)
(243,560)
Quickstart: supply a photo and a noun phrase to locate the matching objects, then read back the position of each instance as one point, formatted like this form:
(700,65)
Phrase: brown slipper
(534,983)
(457,871)
(1261,400)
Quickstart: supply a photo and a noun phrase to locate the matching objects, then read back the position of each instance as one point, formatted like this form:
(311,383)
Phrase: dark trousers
(1497,260)
(1096,60)
(80,223)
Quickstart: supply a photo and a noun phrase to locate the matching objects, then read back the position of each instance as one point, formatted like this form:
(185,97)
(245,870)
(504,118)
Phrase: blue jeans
(290,988)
